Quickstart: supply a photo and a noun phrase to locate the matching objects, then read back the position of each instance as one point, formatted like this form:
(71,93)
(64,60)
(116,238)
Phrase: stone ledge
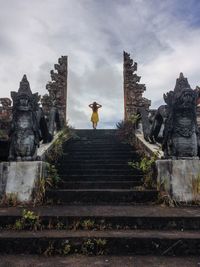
(147,148)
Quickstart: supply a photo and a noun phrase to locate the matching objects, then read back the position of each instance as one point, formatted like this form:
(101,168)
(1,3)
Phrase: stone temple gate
(93,192)
(57,93)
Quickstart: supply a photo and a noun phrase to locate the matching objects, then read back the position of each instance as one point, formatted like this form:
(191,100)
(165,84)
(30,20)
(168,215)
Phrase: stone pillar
(133,90)
(57,89)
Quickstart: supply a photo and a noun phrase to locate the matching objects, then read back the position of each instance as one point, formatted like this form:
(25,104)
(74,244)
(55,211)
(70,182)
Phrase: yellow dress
(95,117)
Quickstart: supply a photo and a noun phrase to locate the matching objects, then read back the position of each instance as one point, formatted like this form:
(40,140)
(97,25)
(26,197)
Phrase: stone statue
(180,135)
(157,124)
(25,132)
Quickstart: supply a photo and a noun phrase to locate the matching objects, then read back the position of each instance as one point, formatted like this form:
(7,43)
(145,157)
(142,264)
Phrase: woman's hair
(94,107)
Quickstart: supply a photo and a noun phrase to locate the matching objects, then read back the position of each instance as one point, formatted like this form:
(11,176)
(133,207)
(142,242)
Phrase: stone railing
(145,148)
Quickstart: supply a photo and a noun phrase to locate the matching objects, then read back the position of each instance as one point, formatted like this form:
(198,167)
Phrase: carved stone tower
(133,90)
(57,89)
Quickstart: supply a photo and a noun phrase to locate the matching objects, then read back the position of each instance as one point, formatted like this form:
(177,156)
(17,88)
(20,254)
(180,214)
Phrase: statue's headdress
(25,91)
(181,84)
(24,88)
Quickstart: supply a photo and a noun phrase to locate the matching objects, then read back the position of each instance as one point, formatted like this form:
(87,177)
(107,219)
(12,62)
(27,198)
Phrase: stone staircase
(94,170)
(97,208)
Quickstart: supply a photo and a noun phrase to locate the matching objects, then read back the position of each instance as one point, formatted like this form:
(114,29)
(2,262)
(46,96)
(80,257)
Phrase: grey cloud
(94,34)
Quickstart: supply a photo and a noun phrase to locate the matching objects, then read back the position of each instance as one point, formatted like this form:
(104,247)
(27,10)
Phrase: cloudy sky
(163,36)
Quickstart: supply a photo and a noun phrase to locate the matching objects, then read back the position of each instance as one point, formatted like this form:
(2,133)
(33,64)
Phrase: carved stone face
(186,99)
(23,103)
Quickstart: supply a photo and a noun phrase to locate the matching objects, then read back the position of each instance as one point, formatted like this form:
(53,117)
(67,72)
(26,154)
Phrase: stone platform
(180,178)
(20,178)
(100,261)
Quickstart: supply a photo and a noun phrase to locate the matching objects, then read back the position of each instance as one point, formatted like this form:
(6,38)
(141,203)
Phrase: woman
(95,117)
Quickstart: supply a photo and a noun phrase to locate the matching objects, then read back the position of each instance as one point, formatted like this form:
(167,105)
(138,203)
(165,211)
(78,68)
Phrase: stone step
(150,217)
(99,184)
(98,196)
(100,138)
(99,261)
(99,132)
(97,142)
(94,150)
(103,152)
(100,156)
(119,242)
(67,171)
(100,146)
(92,166)
(93,161)
(75,177)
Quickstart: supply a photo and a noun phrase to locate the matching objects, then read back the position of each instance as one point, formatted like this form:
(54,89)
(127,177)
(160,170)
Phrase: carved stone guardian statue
(24,134)
(180,136)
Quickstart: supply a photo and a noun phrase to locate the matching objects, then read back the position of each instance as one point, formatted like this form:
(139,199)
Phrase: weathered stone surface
(25,132)
(145,147)
(57,88)
(179,117)
(180,178)
(99,261)
(5,117)
(20,178)
(181,131)
(3,176)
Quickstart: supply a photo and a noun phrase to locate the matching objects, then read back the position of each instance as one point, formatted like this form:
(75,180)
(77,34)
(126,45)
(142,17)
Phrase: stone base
(180,178)
(20,178)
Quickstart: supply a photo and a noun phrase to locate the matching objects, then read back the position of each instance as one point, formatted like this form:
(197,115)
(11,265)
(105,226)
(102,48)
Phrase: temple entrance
(103,86)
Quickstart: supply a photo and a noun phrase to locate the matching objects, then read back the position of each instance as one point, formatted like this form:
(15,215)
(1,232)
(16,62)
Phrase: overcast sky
(163,36)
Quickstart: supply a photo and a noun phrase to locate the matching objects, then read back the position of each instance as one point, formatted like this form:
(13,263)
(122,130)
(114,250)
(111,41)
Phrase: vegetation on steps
(147,166)
(126,129)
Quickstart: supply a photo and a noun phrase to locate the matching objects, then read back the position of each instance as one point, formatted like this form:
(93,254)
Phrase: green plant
(65,248)
(96,246)
(28,221)
(88,224)
(39,192)
(101,246)
(60,226)
(56,150)
(126,129)
(18,225)
(53,177)
(88,247)
(147,166)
